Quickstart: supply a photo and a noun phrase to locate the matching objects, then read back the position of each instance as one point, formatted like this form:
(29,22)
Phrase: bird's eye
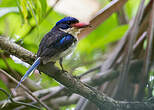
(68,22)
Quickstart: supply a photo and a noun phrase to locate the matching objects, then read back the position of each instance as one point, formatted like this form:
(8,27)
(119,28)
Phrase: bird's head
(71,25)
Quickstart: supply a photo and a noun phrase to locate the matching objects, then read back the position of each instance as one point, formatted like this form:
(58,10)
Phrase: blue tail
(33,67)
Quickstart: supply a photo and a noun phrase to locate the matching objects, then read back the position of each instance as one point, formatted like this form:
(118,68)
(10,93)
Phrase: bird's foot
(61,65)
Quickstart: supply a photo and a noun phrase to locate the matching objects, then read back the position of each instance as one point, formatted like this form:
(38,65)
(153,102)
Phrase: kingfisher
(57,43)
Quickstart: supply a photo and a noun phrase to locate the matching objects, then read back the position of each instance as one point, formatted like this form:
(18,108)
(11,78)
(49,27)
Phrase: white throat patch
(73,31)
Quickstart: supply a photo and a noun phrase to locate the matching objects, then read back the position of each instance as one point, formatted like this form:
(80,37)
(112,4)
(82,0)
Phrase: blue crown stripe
(67,19)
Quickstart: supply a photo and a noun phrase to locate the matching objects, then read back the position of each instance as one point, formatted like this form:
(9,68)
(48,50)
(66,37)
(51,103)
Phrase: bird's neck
(73,31)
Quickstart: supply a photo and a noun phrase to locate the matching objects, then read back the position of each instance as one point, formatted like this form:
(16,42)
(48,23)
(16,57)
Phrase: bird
(57,43)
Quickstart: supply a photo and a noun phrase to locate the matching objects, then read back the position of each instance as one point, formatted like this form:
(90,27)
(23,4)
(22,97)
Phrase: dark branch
(16,50)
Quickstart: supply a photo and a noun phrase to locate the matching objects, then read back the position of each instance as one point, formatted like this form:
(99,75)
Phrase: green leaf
(37,9)
(3,86)
(48,81)
(20,11)
(10,24)
(8,3)
(131,7)
(15,66)
(112,36)
(43,6)
(31,6)
(24,9)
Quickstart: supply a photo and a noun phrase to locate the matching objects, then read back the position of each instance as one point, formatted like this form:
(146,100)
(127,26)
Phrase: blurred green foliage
(27,21)
(2,95)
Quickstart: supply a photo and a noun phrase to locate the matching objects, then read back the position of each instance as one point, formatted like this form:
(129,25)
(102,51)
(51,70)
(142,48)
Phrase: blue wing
(66,39)
(65,42)
(55,44)
(33,67)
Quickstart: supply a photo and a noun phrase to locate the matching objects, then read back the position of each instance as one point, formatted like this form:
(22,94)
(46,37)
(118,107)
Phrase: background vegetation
(25,22)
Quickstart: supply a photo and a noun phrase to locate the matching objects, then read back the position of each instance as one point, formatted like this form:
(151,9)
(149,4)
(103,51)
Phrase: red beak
(81,25)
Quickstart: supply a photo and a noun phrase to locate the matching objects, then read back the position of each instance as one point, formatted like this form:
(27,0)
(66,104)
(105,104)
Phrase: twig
(39,93)
(55,94)
(89,71)
(122,19)
(140,40)
(101,78)
(133,34)
(19,103)
(63,101)
(25,88)
(81,104)
(8,66)
(148,55)
(60,101)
